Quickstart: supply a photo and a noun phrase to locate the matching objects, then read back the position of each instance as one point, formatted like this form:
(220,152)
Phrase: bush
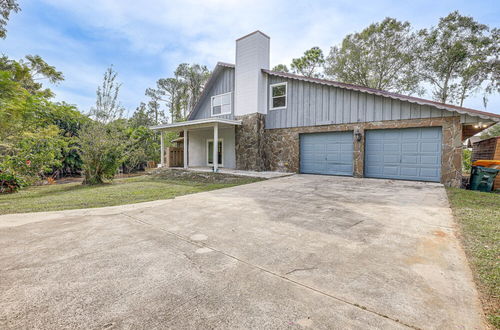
(466,160)
(9,182)
(101,152)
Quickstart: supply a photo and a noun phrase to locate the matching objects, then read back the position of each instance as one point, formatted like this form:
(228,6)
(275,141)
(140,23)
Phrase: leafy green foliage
(466,160)
(37,136)
(310,63)
(101,152)
(9,182)
(179,93)
(29,72)
(6,8)
(281,68)
(381,57)
(491,132)
(35,154)
(455,57)
(107,107)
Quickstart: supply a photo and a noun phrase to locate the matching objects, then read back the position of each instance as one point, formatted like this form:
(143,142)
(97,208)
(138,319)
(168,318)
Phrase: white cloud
(146,40)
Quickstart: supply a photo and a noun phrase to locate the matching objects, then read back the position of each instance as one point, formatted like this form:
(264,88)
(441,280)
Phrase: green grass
(478,215)
(120,191)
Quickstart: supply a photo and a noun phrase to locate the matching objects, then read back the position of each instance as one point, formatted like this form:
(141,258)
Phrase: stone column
(359,152)
(250,143)
(451,167)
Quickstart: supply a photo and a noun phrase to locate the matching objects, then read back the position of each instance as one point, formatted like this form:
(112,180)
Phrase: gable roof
(449,107)
(210,82)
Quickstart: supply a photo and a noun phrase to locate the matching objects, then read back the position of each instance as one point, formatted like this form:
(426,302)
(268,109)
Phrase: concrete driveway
(295,252)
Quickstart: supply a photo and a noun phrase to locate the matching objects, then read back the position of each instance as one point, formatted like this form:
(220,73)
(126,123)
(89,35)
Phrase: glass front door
(210,151)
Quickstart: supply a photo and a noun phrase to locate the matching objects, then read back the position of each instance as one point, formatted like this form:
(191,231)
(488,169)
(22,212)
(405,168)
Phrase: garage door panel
(410,171)
(391,159)
(409,147)
(410,159)
(430,147)
(391,147)
(431,160)
(429,172)
(326,153)
(409,134)
(408,154)
(390,170)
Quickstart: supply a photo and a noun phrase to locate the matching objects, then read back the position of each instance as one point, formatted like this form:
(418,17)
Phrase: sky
(146,40)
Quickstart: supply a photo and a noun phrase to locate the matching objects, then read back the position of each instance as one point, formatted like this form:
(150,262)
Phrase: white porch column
(215,158)
(162,152)
(186,147)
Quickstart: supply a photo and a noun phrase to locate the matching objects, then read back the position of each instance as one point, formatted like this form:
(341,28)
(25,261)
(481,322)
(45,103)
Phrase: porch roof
(198,123)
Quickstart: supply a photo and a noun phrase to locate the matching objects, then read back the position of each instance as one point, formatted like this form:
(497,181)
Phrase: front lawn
(162,185)
(478,215)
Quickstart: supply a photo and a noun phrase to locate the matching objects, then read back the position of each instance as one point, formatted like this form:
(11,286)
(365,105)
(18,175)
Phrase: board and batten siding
(223,84)
(312,104)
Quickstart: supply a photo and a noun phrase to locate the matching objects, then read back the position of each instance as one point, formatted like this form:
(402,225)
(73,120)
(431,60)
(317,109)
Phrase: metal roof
(449,107)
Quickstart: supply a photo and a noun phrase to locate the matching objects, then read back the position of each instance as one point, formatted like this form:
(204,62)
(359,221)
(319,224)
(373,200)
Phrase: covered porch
(195,147)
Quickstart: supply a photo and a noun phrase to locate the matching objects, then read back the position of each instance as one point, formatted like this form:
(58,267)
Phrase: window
(278,96)
(221,104)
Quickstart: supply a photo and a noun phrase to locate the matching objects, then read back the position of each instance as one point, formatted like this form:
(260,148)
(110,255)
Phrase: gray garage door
(407,154)
(326,153)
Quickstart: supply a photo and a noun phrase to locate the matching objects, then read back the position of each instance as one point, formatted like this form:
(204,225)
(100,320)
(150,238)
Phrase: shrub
(466,160)
(101,151)
(9,182)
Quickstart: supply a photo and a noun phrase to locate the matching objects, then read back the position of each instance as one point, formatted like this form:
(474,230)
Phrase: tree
(493,131)
(493,80)
(108,107)
(181,92)
(30,72)
(101,152)
(145,115)
(308,64)
(381,57)
(281,68)
(6,8)
(454,57)
(194,76)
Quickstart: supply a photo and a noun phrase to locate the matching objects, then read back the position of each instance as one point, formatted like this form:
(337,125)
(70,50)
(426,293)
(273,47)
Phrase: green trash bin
(482,178)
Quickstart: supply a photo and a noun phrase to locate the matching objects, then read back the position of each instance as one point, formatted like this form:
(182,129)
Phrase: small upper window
(221,104)
(278,96)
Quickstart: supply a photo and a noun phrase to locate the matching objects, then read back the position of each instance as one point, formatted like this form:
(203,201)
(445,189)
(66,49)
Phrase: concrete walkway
(295,252)
(255,174)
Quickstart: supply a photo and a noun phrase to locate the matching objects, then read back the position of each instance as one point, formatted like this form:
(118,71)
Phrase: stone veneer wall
(281,146)
(249,143)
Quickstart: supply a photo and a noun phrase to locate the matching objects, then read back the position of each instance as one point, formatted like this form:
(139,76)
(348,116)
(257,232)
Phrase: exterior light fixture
(358,136)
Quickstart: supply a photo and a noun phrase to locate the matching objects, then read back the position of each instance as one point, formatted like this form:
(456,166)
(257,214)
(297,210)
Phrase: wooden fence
(174,157)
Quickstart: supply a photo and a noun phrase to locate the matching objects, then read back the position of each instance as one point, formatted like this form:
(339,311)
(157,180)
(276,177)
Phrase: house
(263,120)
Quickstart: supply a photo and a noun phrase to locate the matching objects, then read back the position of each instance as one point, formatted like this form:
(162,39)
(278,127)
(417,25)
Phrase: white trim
(212,105)
(197,122)
(271,95)
(222,152)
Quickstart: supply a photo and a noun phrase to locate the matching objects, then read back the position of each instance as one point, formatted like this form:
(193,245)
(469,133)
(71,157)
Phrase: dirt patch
(200,177)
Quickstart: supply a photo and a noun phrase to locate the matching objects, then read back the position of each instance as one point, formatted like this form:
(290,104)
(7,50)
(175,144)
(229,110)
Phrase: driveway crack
(273,273)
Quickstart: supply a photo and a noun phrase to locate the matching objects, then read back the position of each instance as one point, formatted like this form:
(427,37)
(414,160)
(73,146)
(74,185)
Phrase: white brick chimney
(252,55)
